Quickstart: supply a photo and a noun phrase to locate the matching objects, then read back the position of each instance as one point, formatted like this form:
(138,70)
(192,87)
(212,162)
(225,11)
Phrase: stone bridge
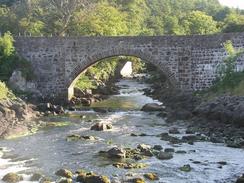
(189,62)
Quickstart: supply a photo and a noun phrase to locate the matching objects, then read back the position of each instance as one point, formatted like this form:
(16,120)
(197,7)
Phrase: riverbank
(219,116)
(16,117)
(146,143)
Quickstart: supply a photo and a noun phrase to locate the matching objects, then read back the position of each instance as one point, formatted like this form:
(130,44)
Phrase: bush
(10,61)
(229,81)
(84,83)
(5,92)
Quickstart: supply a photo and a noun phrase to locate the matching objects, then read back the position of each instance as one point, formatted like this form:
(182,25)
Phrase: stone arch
(94,58)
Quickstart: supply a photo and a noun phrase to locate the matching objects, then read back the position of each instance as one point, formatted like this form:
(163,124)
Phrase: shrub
(3,91)
(10,61)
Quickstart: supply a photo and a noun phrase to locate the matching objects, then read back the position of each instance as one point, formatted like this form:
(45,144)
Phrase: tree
(198,22)
(234,22)
(105,20)
(59,14)
(6,45)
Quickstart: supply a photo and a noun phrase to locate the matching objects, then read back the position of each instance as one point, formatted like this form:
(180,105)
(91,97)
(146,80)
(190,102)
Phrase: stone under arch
(91,60)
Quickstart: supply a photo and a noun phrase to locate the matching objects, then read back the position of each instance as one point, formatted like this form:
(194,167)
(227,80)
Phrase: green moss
(151,176)
(185,168)
(57,124)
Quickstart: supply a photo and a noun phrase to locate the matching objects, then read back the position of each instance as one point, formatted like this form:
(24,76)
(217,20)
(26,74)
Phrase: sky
(233,3)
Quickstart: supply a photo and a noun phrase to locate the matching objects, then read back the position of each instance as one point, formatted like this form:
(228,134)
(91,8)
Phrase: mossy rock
(36,177)
(151,176)
(45,180)
(137,180)
(12,178)
(65,181)
(97,179)
(64,173)
(186,168)
(130,165)
(73,137)
(92,178)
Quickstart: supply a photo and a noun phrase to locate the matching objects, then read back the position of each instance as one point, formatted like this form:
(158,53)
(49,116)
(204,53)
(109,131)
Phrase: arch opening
(82,73)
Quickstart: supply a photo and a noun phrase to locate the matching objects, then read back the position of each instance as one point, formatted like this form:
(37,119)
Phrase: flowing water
(48,150)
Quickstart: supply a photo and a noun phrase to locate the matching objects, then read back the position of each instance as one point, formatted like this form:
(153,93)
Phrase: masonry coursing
(189,62)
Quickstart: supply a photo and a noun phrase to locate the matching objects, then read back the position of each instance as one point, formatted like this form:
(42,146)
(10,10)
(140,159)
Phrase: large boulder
(64,173)
(101,127)
(17,81)
(12,178)
(117,152)
(152,107)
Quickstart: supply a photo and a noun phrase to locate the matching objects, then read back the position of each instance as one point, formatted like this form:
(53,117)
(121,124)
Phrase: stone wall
(189,62)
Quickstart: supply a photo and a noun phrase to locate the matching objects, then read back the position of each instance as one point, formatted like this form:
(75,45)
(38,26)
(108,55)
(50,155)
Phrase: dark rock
(100,110)
(88,137)
(158,147)
(64,173)
(36,177)
(117,152)
(222,162)
(165,155)
(180,152)
(169,150)
(174,131)
(240,179)
(101,127)
(152,107)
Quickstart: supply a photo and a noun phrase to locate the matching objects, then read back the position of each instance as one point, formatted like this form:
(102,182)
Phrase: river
(48,150)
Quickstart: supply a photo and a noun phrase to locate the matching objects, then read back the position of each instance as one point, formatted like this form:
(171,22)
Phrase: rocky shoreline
(221,118)
(16,117)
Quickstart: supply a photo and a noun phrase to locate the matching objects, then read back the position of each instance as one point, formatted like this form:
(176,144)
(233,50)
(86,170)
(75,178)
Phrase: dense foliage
(115,17)
(9,61)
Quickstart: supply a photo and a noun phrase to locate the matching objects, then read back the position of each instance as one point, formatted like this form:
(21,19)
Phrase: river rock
(117,152)
(186,168)
(12,178)
(36,177)
(137,180)
(151,176)
(240,179)
(101,127)
(100,110)
(157,147)
(89,138)
(92,178)
(145,149)
(65,181)
(152,107)
(169,150)
(174,131)
(17,81)
(64,173)
(165,155)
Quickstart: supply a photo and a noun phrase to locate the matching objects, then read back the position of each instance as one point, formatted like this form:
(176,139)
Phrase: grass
(3,91)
